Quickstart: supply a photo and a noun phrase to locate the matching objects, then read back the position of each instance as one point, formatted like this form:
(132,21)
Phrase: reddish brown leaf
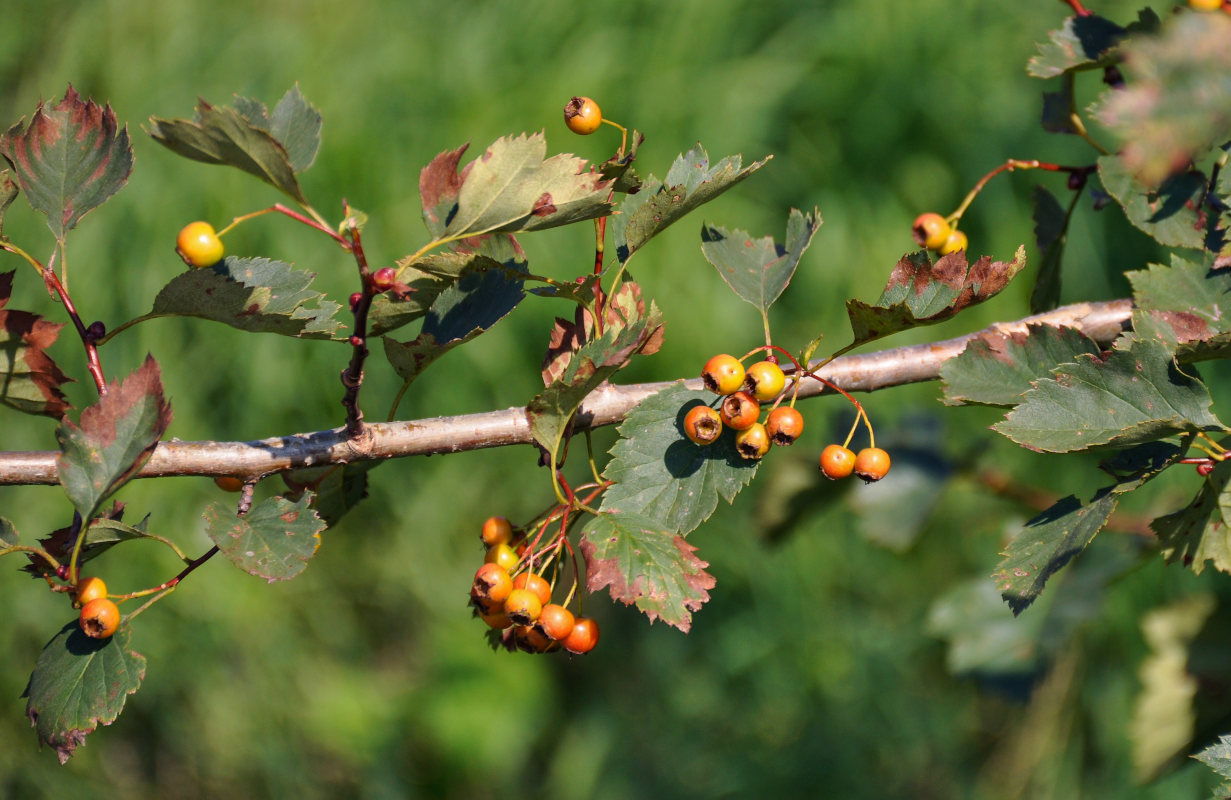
(439,185)
(33,380)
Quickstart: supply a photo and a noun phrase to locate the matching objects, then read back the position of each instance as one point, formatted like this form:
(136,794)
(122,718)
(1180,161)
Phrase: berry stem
(1009,165)
(313,222)
(1077,7)
(93,364)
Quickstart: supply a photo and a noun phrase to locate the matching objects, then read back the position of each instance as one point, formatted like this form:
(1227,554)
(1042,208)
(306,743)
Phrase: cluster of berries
(934,232)
(99,617)
(509,596)
(743,392)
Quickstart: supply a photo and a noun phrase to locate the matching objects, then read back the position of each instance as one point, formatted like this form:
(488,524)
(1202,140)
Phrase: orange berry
(872,464)
(99,618)
(931,230)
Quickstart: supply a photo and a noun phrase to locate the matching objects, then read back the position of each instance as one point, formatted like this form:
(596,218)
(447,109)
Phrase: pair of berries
(99,617)
(498,537)
(198,244)
(743,392)
(838,461)
(523,602)
(934,232)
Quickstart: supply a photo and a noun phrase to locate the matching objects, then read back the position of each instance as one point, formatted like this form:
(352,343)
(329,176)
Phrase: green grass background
(811,673)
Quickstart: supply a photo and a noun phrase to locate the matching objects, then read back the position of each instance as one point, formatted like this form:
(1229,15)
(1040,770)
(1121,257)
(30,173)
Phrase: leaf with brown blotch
(643,565)
(69,160)
(114,438)
(105,530)
(439,184)
(624,307)
(32,380)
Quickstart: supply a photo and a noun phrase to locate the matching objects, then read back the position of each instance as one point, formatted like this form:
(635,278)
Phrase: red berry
(702,425)
(765,380)
(784,424)
(583,637)
(582,115)
(555,622)
(872,464)
(931,230)
(723,374)
(496,530)
(99,618)
(89,589)
(740,411)
(752,442)
(492,582)
(199,245)
(837,462)
(536,584)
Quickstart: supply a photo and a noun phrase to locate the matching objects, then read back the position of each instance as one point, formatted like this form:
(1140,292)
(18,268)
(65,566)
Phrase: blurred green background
(819,668)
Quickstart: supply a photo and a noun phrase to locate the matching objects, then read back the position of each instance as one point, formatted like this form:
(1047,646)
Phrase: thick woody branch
(605,406)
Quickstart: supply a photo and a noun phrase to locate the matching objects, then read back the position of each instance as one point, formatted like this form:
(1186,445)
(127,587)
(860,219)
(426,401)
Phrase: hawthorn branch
(607,405)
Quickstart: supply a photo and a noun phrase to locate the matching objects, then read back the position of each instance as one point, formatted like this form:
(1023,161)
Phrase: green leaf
(336,489)
(552,410)
(274,540)
(1176,104)
(1218,756)
(618,169)
(31,380)
(509,188)
(1051,224)
(1130,397)
(114,439)
(1187,296)
(645,565)
(1085,42)
(252,294)
(999,368)
(101,534)
(8,193)
(1200,531)
(70,160)
(922,293)
(691,182)
(221,135)
(467,308)
(80,683)
(8,533)
(661,475)
(1058,108)
(1171,213)
(758,271)
(296,124)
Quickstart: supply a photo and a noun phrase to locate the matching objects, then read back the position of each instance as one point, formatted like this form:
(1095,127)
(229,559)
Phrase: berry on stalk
(702,425)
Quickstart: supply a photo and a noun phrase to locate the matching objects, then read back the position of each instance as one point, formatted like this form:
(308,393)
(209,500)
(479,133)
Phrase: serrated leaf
(551,411)
(1177,103)
(1143,461)
(1201,531)
(1051,224)
(31,379)
(253,294)
(759,270)
(295,124)
(922,293)
(661,475)
(274,540)
(511,187)
(1130,397)
(618,170)
(225,136)
(8,533)
(999,368)
(644,565)
(626,304)
(1218,756)
(690,183)
(1187,295)
(1084,42)
(114,438)
(8,193)
(101,533)
(467,308)
(1171,213)
(69,160)
(80,683)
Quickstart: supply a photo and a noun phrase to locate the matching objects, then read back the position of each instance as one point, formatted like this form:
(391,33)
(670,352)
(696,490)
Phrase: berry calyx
(536,584)
(496,530)
(702,425)
(752,442)
(837,462)
(199,245)
(931,230)
(582,116)
(229,483)
(555,622)
(503,555)
(89,589)
(740,411)
(955,242)
(530,639)
(492,583)
(583,637)
(384,278)
(765,380)
(871,464)
(523,606)
(784,424)
(99,618)
(723,374)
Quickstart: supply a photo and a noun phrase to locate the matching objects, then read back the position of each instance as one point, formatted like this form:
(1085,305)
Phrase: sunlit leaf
(274,540)
(1190,298)
(691,182)
(114,438)
(999,368)
(1129,397)
(69,160)
(1171,213)
(1218,756)
(645,565)
(80,683)
(31,379)
(252,294)
(661,475)
(759,270)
